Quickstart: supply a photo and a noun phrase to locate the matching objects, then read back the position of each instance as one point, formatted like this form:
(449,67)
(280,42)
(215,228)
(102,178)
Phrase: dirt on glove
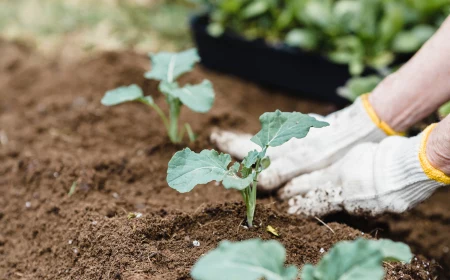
(76,176)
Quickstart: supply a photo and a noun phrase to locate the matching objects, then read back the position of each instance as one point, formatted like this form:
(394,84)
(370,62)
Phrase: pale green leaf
(147,100)
(361,259)
(412,40)
(255,8)
(444,110)
(358,86)
(215,29)
(169,66)
(188,169)
(122,94)
(198,98)
(265,163)
(302,38)
(250,159)
(279,127)
(246,260)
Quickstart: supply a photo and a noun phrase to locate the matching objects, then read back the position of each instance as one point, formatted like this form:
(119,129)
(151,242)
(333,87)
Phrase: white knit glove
(320,148)
(393,175)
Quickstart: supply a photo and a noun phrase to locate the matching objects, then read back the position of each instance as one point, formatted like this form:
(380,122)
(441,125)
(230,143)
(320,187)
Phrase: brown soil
(54,133)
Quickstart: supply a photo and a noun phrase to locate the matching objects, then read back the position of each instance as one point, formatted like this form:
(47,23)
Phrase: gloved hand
(355,124)
(393,175)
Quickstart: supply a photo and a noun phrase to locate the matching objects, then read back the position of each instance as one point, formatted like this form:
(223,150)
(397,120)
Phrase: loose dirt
(55,135)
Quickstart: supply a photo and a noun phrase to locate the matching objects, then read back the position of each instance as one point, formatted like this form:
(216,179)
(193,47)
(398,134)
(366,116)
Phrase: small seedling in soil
(188,169)
(257,259)
(166,68)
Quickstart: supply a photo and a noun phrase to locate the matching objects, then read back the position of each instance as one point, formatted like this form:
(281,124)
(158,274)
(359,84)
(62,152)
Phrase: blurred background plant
(74,27)
(360,33)
(376,34)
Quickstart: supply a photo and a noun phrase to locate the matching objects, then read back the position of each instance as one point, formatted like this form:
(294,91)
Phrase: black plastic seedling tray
(302,73)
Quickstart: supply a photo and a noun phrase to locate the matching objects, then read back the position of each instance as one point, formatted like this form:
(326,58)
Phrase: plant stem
(174,113)
(250,197)
(249,193)
(161,115)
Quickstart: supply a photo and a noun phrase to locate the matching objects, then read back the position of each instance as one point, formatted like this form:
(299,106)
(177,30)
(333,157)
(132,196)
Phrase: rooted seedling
(166,68)
(188,169)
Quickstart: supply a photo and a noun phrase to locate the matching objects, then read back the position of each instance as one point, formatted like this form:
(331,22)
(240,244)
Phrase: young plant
(166,68)
(257,259)
(188,169)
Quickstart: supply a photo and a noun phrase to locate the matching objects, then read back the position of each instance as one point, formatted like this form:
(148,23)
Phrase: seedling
(166,68)
(257,259)
(188,169)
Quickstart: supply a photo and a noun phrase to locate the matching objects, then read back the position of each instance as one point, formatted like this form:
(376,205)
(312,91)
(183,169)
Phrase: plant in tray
(360,259)
(166,68)
(188,169)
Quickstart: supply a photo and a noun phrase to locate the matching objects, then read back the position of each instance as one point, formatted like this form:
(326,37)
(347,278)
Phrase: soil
(56,138)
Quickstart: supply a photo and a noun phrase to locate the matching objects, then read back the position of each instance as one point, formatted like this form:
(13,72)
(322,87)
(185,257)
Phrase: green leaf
(444,110)
(250,259)
(250,159)
(147,100)
(302,38)
(361,259)
(122,94)
(198,98)
(169,66)
(255,8)
(215,29)
(411,41)
(188,169)
(277,128)
(265,163)
(358,86)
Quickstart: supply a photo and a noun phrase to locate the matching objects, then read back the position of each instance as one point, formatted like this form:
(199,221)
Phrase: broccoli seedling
(257,259)
(166,68)
(188,169)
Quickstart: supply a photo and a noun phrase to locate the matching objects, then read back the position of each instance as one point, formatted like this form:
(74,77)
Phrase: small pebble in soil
(27,204)
(3,137)
(94,222)
(445,249)
(115,195)
(56,174)
(322,250)
(75,251)
(196,243)
(70,241)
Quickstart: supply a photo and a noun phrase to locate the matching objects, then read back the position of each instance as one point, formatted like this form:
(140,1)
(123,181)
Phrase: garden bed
(54,132)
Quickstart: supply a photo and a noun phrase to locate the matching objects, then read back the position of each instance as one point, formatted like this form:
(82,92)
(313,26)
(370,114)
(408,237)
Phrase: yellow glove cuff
(376,120)
(431,172)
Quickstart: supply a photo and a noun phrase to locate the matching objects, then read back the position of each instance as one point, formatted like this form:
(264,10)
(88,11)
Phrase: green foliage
(166,68)
(444,110)
(359,85)
(353,32)
(360,259)
(188,169)
(245,260)
(278,128)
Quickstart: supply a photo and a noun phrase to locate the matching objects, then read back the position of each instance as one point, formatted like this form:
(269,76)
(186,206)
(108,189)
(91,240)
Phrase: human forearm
(419,87)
